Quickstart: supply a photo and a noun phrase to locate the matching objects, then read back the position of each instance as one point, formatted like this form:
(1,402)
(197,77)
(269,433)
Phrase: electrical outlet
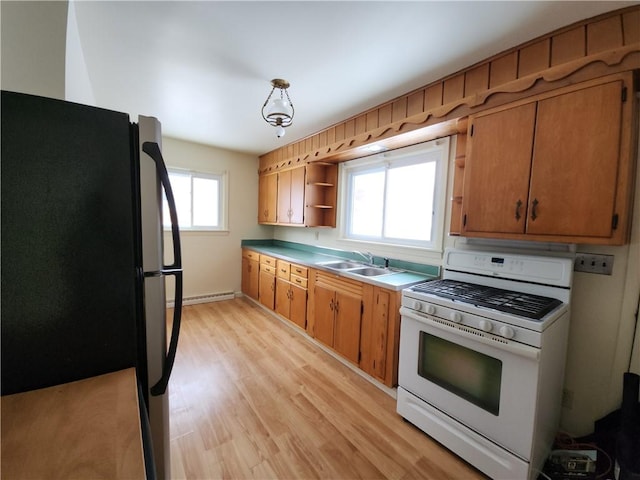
(567,398)
(593,263)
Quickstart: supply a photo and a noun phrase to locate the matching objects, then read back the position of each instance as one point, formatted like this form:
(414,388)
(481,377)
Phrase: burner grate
(534,307)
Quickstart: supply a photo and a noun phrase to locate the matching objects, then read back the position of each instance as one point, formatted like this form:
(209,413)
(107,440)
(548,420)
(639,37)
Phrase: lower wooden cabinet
(380,334)
(250,273)
(335,313)
(267,282)
(291,292)
(359,321)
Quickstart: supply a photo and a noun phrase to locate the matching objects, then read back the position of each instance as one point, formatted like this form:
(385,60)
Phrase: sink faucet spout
(368,256)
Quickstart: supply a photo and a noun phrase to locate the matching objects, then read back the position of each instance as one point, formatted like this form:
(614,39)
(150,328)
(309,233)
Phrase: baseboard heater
(210,297)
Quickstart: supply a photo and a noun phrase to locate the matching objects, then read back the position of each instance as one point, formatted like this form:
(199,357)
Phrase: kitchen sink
(341,265)
(370,271)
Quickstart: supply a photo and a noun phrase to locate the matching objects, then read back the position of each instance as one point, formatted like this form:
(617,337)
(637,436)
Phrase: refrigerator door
(71,292)
(153,179)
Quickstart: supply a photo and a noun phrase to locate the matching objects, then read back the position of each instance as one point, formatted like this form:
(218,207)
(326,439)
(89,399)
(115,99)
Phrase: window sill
(194,232)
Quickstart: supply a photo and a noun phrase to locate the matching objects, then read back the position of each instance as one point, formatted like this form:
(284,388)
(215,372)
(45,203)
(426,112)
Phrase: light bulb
(280,131)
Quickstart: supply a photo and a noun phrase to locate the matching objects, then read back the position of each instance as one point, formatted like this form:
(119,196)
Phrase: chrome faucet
(368,256)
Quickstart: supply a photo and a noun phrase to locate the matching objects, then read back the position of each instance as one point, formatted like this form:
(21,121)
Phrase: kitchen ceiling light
(278,112)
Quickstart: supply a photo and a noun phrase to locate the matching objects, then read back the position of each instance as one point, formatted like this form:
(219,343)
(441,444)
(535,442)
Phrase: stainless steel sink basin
(370,271)
(341,264)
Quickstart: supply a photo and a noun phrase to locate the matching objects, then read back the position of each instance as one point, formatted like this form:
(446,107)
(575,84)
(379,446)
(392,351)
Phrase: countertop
(84,429)
(314,257)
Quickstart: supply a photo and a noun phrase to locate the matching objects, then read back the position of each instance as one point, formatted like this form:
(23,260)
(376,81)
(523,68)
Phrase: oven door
(485,382)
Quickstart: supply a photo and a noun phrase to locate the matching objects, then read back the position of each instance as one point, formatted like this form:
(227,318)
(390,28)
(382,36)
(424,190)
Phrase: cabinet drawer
(283,269)
(298,270)
(302,282)
(267,269)
(251,255)
(267,260)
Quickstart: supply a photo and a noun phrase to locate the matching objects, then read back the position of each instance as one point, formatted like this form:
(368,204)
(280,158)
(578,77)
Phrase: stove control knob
(485,325)
(455,317)
(506,332)
(431,309)
(417,305)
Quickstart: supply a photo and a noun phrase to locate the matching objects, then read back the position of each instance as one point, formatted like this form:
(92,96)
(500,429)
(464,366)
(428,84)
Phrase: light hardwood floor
(250,397)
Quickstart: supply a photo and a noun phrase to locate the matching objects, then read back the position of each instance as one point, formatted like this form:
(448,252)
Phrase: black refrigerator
(83,270)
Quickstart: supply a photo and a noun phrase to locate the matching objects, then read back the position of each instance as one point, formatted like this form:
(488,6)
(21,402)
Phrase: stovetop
(533,307)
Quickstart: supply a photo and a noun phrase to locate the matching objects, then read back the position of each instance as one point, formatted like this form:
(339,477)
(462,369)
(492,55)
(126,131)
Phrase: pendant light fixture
(278,111)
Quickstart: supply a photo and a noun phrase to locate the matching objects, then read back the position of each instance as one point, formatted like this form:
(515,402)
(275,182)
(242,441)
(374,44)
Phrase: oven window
(466,373)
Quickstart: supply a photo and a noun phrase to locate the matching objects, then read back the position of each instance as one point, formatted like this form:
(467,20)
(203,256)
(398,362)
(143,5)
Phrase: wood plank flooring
(250,397)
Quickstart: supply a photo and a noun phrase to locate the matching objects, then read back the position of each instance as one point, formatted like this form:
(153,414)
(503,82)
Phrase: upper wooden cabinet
(303,196)
(557,167)
(291,196)
(268,198)
(321,194)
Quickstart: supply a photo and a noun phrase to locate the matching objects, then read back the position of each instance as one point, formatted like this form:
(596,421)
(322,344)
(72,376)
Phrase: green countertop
(403,274)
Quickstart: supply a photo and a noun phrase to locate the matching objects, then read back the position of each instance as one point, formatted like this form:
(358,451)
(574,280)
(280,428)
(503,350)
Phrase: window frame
(392,159)
(222,179)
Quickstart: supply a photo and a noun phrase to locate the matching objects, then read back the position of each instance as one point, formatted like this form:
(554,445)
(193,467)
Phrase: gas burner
(530,306)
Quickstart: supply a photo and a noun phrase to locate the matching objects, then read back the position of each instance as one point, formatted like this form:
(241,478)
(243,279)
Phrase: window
(397,197)
(199,200)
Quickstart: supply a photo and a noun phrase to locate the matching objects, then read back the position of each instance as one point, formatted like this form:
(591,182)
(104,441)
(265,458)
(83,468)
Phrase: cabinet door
(254,278)
(267,198)
(291,196)
(379,333)
(284,197)
(267,289)
(250,277)
(298,305)
(348,314)
(245,276)
(577,147)
(282,297)
(297,195)
(324,315)
(497,171)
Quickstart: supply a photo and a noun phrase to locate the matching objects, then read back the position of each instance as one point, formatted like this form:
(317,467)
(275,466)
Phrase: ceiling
(204,68)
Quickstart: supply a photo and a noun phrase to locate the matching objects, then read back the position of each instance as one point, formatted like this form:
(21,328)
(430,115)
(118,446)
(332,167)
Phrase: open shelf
(321,194)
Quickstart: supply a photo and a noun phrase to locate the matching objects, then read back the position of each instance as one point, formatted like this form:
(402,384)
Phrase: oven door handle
(519,349)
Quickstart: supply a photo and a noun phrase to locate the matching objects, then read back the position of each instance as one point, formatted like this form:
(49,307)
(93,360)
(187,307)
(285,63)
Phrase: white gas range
(482,354)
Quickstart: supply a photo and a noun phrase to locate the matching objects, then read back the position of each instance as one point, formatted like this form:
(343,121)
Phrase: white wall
(212,260)
(33,47)
(78,84)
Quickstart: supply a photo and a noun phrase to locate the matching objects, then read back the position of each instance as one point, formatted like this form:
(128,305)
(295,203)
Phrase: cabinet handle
(534,207)
(337,307)
(518,205)
(331,305)
(290,295)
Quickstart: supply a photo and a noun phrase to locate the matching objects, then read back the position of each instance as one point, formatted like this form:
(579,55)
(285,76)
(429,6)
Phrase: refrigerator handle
(161,387)
(153,150)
